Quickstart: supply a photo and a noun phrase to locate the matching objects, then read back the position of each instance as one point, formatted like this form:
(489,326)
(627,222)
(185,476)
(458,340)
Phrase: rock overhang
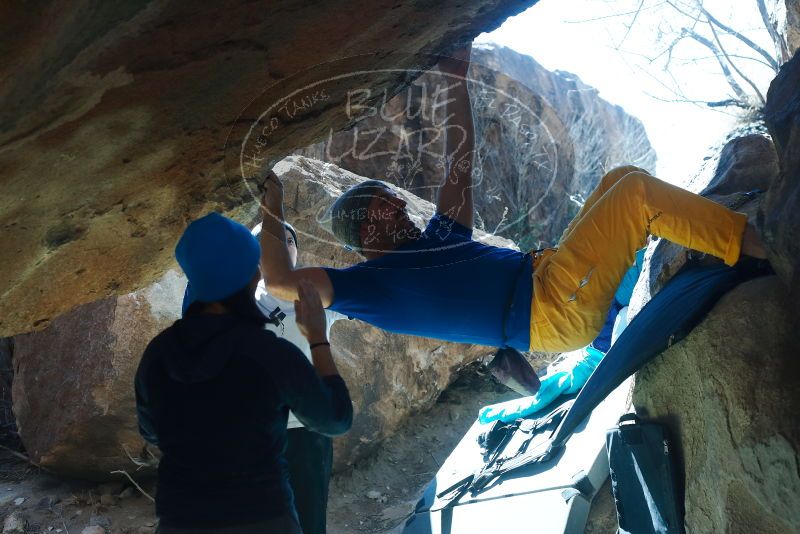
(115,121)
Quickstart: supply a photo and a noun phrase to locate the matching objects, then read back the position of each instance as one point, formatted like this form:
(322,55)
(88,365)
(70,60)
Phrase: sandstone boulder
(745,163)
(780,216)
(793,25)
(729,394)
(73,387)
(73,382)
(726,389)
(122,121)
(603,135)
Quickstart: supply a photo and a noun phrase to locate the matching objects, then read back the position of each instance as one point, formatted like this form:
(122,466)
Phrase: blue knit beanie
(219,257)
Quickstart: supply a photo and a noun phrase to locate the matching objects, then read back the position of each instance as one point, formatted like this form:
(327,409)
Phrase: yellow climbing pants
(573,284)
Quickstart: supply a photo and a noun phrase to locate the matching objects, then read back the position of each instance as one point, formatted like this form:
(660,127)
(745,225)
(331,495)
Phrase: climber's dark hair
(242,304)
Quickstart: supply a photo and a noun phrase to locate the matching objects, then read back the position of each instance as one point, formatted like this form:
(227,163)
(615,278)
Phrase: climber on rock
(440,283)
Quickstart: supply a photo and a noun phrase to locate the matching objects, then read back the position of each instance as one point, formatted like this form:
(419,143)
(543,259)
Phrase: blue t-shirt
(443,285)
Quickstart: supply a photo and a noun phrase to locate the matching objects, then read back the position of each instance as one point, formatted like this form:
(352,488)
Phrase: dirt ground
(375,496)
(379,494)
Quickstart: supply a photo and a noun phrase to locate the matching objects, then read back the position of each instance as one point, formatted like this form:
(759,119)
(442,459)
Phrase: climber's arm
(281,278)
(455,194)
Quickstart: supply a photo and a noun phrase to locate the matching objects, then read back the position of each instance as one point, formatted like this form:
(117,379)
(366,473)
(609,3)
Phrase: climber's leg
(606,182)
(573,285)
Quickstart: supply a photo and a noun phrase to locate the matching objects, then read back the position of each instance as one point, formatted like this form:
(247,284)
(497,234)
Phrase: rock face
(73,384)
(121,121)
(543,141)
(725,389)
(84,362)
(793,25)
(744,164)
(726,392)
(603,135)
(780,218)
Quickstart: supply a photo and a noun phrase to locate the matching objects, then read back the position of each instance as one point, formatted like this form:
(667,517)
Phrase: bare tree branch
(667,50)
(18,455)
(630,26)
(138,487)
(771,25)
(715,106)
(674,89)
(735,68)
(614,15)
(766,55)
(680,97)
(683,12)
(731,102)
(670,48)
(740,93)
(737,56)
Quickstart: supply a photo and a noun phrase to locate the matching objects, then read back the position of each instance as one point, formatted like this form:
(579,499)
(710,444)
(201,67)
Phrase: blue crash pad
(560,461)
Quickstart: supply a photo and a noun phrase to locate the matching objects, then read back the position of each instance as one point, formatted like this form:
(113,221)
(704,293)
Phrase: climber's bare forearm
(281,278)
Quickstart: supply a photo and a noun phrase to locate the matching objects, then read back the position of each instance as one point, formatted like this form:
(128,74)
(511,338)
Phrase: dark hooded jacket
(213,392)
